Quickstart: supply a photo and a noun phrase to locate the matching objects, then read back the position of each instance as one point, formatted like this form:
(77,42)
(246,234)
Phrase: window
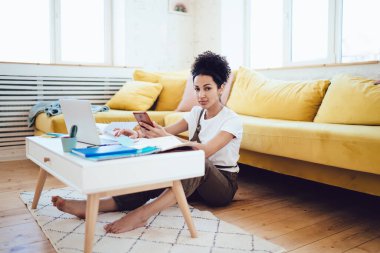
(232,34)
(360,37)
(55,31)
(309,30)
(25,31)
(82,36)
(298,32)
(267,38)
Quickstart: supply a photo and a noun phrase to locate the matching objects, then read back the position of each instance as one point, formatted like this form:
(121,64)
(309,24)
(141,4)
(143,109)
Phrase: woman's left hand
(195,145)
(153,132)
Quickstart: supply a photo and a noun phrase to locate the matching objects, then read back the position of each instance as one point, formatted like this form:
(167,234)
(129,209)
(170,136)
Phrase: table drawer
(43,155)
(53,163)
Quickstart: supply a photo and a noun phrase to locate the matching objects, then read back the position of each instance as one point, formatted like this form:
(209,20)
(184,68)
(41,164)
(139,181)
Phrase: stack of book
(138,148)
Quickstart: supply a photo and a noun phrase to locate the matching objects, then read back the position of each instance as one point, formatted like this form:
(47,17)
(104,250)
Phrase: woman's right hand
(153,131)
(128,132)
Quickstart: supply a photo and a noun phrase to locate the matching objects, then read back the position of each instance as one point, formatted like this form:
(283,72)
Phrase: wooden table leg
(92,207)
(182,203)
(40,185)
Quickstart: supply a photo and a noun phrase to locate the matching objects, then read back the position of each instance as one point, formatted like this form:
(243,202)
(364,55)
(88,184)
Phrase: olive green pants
(215,188)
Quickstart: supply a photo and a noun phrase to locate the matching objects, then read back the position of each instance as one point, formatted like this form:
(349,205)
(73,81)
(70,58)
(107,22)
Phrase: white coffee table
(113,177)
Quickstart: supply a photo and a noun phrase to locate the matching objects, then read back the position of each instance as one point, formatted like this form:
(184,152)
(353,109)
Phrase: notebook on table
(113,152)
(103,150)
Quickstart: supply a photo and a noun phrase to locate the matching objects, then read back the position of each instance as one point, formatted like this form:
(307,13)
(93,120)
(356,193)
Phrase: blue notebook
(104,150)
(140,152)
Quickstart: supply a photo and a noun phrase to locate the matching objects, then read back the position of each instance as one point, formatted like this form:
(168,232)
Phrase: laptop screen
(78,112)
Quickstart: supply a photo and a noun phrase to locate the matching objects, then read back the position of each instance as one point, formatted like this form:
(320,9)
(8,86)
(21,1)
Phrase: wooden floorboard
(369,246)
(299,215)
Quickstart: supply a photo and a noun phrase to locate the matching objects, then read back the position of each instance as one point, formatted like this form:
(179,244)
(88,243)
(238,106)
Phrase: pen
(102,145)
(55,134)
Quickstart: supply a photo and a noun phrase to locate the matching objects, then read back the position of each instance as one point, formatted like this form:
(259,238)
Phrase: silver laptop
(78,112)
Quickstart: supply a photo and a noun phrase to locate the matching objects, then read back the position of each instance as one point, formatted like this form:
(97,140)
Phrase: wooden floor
(298,215)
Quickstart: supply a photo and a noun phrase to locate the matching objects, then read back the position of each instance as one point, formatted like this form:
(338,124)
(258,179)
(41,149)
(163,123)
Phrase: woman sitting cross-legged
(213,128)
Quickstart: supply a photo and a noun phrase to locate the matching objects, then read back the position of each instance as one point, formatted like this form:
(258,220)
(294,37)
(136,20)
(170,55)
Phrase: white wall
(155,38)
(207,32)
(366,70)
(149,36)
(219,27)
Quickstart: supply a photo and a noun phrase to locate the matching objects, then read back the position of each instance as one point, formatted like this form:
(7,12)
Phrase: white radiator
(19,93)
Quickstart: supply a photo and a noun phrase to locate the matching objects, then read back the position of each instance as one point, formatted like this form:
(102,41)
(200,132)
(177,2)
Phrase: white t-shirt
(226,120)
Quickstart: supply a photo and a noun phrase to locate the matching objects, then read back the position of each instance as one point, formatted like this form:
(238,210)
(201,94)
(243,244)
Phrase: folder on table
(140,152)
(104,150)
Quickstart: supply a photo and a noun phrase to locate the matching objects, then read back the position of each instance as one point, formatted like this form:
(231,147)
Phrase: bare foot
(74,207)
(130,221)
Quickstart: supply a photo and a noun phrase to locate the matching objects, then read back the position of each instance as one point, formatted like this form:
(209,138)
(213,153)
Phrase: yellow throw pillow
(135,96)
(171,94)
(154,77)
(351,100)
(255,95)
(145,76)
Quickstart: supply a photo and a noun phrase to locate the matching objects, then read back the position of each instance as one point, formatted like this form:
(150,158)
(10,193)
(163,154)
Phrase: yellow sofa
(320,130)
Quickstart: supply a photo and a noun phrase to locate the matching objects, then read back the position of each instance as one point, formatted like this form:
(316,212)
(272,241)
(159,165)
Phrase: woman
(214,128)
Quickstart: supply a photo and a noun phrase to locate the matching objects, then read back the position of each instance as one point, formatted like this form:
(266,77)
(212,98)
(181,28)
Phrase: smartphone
(143,117)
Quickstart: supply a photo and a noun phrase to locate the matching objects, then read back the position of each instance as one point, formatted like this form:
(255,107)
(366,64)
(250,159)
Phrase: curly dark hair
(211,64)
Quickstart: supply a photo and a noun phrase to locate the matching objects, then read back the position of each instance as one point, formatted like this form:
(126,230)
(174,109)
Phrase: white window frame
(247,36)
(334,53)
(55,38)
(331,38)
(338,26)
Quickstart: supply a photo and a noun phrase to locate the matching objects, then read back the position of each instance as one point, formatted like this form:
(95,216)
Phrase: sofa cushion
(120,115)
(173,118)
(145,76)
(351,100)
(135,96)
(171,94)
(154,77)
(348,146)
(57,123)
(255,95)
(228,86)
(189,98)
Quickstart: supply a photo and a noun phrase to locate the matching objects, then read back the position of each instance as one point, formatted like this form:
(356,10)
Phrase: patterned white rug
(165,232)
